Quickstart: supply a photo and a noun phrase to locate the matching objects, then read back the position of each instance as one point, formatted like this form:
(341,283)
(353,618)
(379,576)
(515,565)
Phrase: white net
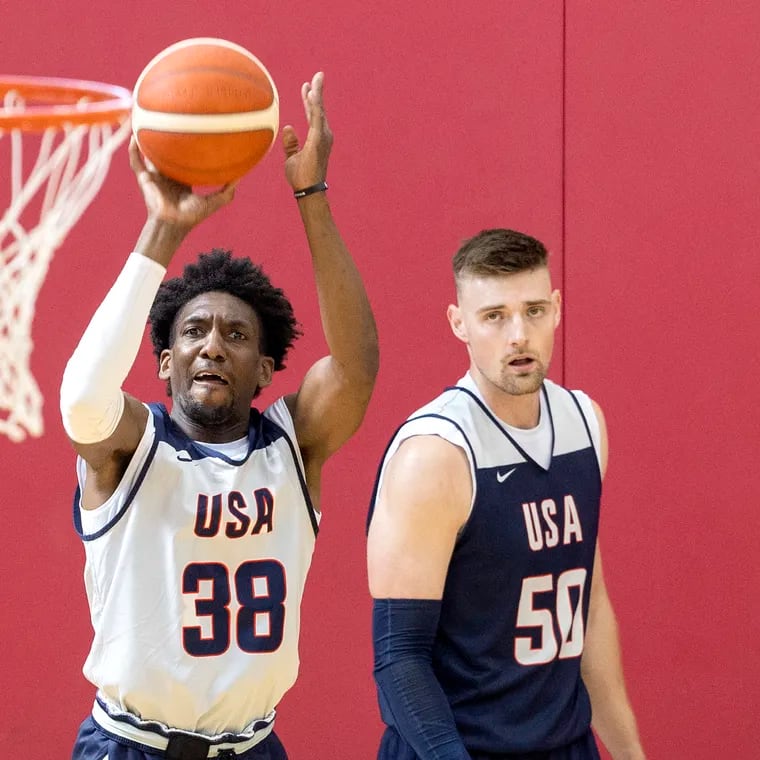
(46,198)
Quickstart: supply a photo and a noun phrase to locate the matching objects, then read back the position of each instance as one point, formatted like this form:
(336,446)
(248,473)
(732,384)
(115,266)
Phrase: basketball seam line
(201,123)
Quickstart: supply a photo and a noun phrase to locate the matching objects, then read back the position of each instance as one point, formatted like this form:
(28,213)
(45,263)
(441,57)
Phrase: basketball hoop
(74,127)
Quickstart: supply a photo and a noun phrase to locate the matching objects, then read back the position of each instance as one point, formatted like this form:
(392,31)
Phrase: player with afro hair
(240,277)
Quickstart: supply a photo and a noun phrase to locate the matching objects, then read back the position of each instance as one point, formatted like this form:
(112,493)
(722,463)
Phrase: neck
(223,429)
(520,411)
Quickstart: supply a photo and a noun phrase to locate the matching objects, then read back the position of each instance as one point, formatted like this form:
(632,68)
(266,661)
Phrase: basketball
(205,111)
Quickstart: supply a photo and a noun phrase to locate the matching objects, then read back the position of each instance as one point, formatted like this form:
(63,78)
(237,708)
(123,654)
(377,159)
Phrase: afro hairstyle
(240,277)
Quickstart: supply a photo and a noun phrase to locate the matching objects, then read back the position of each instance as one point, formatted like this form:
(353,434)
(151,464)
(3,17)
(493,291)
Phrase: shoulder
(438,435)
(428,453)
(427,470)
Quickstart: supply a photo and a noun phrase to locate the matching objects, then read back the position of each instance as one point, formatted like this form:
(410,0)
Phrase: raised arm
(105,424)
(332,400)
(423,503)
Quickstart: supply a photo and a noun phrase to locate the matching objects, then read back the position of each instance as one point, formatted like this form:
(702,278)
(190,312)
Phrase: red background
(622,134)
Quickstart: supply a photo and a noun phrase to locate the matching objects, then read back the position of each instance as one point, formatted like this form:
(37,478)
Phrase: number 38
(260,591)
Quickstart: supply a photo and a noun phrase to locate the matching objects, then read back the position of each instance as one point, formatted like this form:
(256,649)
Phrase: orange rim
(53,102)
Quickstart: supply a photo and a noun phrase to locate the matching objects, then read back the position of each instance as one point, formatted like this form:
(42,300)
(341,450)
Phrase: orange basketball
(205,111)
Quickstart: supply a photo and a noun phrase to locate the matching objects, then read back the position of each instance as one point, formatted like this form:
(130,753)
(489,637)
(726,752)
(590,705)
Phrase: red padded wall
(661,271)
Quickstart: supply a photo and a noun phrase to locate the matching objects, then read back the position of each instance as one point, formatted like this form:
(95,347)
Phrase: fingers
(289,141)
(135,157)
(311,94)
(142,166)
(202,206)
(317,85)
(305,89)
(221,197)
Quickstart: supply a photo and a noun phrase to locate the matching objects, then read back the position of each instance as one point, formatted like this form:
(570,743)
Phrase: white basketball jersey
(195,569)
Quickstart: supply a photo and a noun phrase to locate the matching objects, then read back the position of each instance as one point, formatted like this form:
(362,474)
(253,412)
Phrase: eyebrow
(204,316)
(497,307)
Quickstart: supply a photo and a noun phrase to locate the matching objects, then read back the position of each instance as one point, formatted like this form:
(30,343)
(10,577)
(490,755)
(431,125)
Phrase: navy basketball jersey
(514,608)
(194,573)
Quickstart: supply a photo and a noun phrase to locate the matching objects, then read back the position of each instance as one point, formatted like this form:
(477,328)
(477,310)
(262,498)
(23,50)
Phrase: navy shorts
(94,744)
(393,747)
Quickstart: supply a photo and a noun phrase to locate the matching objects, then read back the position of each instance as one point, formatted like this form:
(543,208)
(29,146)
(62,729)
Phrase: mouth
(210,378)
(522,362)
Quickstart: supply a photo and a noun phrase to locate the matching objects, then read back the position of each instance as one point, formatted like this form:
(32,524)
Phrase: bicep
(423,503)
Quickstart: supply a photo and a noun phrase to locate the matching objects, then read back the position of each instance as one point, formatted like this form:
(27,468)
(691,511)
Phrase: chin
(208,415)
(521,386)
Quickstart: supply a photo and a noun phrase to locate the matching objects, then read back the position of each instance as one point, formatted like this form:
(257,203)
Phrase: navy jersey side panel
(516,596)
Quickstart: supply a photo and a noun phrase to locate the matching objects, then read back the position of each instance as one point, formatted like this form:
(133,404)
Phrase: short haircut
(240,277)
(498,252)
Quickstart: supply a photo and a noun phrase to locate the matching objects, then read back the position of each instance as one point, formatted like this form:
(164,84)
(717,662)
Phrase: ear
(454,314)
(165,364)
(266,371)
(557,302)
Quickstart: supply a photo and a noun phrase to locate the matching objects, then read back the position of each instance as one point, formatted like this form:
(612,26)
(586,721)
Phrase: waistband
(157,736)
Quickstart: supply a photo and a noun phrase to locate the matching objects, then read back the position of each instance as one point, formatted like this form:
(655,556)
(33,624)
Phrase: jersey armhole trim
(472,469)
(132,491)
(588,431)
(282,408)
(312,512)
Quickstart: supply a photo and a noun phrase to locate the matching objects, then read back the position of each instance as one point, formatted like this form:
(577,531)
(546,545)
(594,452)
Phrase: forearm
(411,698)
(622,743)
(91,399)
(160,239)
(347,319)
(602,670)
(613,718)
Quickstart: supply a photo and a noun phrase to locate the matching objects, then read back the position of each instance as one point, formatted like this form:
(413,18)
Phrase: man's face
(215,366)
(508,323)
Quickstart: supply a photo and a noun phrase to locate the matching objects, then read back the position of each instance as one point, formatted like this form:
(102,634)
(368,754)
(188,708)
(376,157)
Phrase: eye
(237,335)
(536,311)
(493,316)
(192,331)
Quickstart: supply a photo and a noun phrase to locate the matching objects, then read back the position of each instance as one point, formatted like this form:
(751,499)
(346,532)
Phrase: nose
(213,346)
(516,333)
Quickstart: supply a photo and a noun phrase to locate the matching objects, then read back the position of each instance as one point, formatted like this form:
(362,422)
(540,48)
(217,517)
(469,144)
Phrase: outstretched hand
(171,201)
(307,165)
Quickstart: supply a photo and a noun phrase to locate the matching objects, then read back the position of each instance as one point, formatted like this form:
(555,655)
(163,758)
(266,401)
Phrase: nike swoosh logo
(502,476)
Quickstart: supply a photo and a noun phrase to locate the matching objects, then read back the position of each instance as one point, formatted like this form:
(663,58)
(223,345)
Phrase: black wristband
(318,188)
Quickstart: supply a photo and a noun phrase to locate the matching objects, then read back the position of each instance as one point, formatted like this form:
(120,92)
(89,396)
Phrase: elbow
(77,399)
(87,423)
(88,416)
(73,393)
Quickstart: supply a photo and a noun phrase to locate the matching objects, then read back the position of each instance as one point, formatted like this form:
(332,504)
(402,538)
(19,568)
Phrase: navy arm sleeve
(411,699)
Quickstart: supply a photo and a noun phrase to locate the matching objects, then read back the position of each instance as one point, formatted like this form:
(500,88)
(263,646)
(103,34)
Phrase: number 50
(569,619)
